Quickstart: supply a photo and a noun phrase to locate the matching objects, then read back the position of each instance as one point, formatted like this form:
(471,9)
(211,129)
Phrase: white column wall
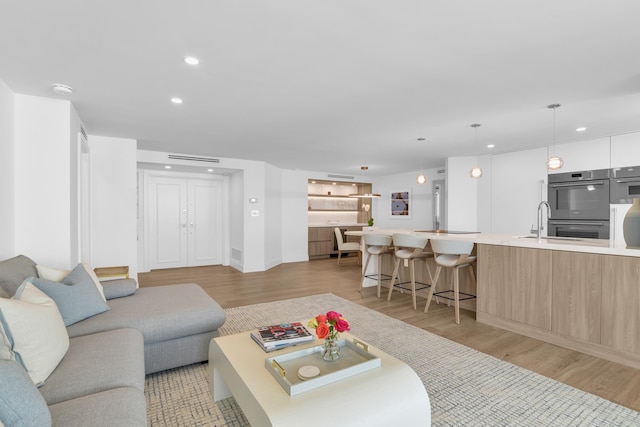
(295,218)
(273,216)
(42,180)
(462,194)
(7,171)
(519,184)
(236,221)
(113,202)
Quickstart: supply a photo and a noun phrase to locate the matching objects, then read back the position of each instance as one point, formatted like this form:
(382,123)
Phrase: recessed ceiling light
(581,129)
(491,145)
(334,183)
(209,170)
(313,182)
(176,100)
(422,139)
(61,89)
(191,60)
(167,167)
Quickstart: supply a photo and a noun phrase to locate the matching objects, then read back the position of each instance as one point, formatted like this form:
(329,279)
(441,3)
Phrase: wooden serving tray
(354,358)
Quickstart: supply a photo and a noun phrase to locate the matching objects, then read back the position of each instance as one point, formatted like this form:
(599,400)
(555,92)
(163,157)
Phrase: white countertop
(337,225)
(596,246)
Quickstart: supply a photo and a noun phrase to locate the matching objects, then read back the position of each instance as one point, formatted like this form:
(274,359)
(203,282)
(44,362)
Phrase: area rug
(466,387)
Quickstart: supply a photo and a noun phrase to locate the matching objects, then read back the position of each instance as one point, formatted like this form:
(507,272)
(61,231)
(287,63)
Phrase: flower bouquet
(327,327)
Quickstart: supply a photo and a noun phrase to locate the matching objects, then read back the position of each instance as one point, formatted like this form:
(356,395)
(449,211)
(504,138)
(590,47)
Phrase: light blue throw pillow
(76,297)
(21,404)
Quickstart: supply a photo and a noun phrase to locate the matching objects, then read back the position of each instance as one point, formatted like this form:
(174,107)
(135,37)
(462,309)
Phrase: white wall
(421,203)
(113,202)
(42,178)
(273,216)
(519,183)
(236,221)
(294,220)
(7,183)
(462,193)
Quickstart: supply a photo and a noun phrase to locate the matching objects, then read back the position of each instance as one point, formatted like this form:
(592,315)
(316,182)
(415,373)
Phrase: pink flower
(333,316)
(342,325)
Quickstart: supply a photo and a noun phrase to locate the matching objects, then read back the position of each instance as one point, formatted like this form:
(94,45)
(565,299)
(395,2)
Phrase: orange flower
(321,318)
(322,331)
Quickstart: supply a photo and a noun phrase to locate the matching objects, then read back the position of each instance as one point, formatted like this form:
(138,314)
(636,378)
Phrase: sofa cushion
(95,363)
(160,312)
(32,332)
(13,271)
(58,275)
(116,407)
(119,288)
(21,405)
(77,297)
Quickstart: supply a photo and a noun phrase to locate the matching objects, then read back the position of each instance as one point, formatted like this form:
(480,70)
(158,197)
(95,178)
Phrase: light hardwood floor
(231,288)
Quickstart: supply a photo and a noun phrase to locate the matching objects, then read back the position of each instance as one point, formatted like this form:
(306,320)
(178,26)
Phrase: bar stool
(376,245)
(454,254)
(409,247)
(345,246)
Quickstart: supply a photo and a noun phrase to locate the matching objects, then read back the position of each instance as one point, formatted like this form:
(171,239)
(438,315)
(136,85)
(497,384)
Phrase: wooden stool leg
(432,289)
(393,278)
(364,272)
(379,260)
(456,293)
(412,271)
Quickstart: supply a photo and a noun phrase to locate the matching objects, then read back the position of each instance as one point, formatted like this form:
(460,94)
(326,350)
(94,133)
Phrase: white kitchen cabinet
(583,155)
(625,150)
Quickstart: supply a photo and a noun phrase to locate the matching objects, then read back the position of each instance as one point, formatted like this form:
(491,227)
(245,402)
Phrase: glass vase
(331,349)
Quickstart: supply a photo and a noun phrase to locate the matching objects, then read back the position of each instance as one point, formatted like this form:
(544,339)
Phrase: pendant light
(422,178)
(554,162)
(476,171)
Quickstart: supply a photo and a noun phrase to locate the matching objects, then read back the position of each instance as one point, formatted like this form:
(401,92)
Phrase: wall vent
(236,254)
(441,170)
(194,159)
(83,132)
(341,176)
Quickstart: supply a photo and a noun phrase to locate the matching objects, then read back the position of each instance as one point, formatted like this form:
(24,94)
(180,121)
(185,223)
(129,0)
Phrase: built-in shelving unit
(330,205)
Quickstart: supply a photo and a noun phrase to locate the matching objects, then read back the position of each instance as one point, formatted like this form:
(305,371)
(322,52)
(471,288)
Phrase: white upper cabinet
(625,150)
(583,155)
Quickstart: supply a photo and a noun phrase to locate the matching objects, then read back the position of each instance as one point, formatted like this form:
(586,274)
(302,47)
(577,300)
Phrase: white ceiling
(332,85)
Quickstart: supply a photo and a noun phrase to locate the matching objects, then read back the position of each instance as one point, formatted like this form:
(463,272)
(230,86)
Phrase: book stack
(276,337)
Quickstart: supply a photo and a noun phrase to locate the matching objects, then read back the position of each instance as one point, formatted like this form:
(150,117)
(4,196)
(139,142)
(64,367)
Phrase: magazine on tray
(283,335)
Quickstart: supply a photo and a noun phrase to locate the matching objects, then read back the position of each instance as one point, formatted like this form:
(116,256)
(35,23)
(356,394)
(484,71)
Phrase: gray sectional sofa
(100,379)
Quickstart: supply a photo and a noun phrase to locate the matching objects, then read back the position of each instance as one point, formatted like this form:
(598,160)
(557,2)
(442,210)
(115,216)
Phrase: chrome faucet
(540,226)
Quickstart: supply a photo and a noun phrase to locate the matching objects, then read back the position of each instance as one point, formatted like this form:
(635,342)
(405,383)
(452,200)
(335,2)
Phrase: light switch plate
(255,213)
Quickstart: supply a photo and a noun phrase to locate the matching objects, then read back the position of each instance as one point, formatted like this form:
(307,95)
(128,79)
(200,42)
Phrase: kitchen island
(582,294)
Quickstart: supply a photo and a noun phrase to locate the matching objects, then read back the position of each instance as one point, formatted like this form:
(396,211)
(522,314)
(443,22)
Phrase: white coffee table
(389,395)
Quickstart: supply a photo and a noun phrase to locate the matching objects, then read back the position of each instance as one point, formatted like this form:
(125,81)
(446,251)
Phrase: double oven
(579,204)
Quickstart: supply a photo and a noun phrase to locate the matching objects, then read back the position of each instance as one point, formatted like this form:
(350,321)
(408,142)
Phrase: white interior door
(168,222)
(185,222)
(205,222)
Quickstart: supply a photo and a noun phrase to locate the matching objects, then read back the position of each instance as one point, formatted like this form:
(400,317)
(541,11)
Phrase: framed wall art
(401,204)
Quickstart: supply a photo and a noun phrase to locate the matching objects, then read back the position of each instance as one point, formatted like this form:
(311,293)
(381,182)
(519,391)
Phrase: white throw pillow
(32,332)
(51,273)
(58,275)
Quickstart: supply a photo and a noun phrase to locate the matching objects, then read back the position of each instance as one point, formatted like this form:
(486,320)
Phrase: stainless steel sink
(566,239)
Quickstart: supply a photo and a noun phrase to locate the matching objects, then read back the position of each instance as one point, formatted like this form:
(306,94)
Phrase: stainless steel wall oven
(579,204)
(625,184)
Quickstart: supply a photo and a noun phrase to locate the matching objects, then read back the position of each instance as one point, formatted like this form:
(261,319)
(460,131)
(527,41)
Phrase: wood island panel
(494,281)
(621,303)
(577,284)
(531,294)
